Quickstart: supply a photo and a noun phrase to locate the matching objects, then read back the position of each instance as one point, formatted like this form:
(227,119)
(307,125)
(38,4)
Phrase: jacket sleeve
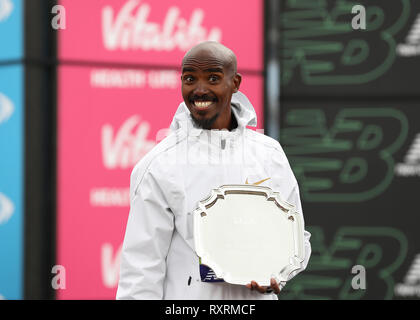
(283,180)
(147,239)
(294,198)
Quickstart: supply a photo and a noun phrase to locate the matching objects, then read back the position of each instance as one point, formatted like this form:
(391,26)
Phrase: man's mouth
(202,104)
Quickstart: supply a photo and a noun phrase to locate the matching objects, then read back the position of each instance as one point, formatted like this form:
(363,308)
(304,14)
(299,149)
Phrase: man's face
(208,83)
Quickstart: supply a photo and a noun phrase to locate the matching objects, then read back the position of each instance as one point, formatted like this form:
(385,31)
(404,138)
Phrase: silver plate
(246,232)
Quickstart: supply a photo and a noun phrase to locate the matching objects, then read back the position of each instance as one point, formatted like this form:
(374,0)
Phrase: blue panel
(11,29)
(11,181)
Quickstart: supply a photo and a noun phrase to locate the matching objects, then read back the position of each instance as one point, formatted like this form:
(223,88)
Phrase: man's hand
(274,286)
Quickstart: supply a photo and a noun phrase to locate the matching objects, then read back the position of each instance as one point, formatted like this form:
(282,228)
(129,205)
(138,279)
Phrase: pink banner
(107,120)
(160,32)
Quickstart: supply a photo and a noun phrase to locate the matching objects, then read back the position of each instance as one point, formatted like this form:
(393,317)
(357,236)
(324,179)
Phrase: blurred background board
(349,110)
(12,140)
(321,54)
(80,106)
(358,168)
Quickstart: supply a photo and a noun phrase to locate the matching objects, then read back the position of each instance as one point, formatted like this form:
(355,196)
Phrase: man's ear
(237,82)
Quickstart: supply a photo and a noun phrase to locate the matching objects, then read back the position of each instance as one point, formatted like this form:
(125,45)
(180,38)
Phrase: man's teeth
(202,104)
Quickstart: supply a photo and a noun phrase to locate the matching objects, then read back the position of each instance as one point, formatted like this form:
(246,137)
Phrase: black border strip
(40,156)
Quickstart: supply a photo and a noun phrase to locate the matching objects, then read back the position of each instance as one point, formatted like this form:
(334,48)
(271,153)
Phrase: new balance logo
(210,276)
(413,275)
(411,285)
(414,35)
(412,45)
(411,164)
(413,155)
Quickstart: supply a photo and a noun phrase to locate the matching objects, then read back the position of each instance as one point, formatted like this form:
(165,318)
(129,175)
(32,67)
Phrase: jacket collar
(241,107)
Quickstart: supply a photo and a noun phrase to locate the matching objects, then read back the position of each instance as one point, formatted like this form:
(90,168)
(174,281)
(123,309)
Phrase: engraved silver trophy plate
(246,232)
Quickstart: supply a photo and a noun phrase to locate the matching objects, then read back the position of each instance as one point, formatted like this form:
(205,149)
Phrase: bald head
(212,52)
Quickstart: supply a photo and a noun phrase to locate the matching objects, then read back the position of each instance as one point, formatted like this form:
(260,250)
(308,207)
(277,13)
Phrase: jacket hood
(241,107)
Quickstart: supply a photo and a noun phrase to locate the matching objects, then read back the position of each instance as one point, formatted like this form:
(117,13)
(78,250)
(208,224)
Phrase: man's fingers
(275,286)
(258,288)
(263,289)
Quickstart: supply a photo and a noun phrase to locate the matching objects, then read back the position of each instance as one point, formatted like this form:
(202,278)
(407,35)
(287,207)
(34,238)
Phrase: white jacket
(158,259)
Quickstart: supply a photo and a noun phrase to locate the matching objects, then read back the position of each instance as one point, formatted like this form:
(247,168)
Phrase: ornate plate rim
(270,195)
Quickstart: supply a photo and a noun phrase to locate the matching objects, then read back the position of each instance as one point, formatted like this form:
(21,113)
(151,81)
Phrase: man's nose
(201,89)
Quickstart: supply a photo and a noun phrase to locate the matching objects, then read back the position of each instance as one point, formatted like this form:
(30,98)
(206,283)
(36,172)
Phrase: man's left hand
(263,289)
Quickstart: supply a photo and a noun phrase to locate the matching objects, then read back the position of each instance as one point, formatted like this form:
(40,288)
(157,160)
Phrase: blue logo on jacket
(208,275)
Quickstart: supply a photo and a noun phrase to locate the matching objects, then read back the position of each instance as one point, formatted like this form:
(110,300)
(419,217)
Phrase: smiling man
(209,146)
(209,78)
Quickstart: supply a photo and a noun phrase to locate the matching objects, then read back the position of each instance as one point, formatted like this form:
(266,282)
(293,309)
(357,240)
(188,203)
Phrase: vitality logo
(129,144)
(411,165)
(130,29)
(110,265)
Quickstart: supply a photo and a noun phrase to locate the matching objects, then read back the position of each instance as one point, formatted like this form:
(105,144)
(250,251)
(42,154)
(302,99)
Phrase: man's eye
(188,78)
(213,78)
